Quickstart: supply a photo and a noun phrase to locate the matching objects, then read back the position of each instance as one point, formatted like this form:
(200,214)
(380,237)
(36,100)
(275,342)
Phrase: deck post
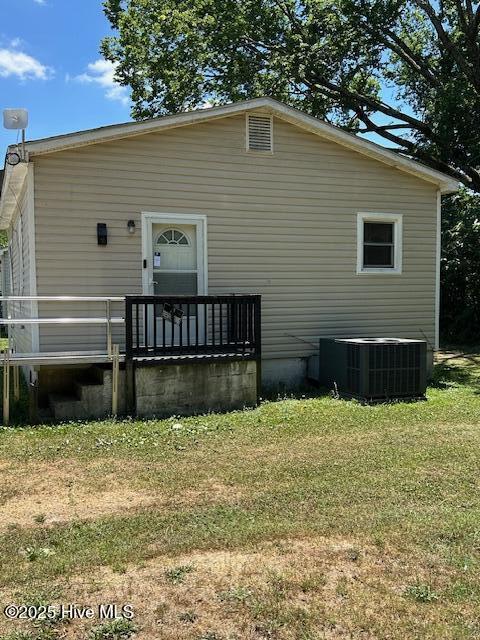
(6,387)
(129,364)
(16,382)
(115,376)
(108,315)
(130,387)
(257,329)
(33,399)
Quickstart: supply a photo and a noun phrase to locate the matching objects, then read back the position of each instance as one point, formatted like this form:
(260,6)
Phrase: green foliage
(421,593)
(236,595)
(178,574)
(44,632)
(119,629)
(332,58)
(460,308)
(35,553)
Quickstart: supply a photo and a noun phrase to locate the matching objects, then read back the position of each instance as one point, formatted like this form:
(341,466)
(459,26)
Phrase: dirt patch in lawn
(280,590)
(54,493)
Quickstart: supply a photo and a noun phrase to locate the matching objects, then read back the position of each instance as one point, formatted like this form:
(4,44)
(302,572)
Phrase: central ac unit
(371,369)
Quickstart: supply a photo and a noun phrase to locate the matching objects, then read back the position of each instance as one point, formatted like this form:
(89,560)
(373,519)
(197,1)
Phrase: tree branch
(463,66)
(398,46)
(354,98)
(411,58)
(386,127)
(410,148)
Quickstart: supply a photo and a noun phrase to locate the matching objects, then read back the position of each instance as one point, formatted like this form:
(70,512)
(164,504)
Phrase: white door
(174,268)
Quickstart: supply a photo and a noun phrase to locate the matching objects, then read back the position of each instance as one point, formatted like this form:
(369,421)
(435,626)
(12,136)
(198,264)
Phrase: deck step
(65,406)
(87,391)
(92,398)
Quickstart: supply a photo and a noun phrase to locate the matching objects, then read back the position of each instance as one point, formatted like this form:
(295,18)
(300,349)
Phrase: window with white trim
(379,243)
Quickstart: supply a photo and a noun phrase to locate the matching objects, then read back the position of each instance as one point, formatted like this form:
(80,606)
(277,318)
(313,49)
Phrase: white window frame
(260,114)
(397,220)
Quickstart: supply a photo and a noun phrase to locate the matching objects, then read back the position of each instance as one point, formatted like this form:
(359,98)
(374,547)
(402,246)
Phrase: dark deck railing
(176,326)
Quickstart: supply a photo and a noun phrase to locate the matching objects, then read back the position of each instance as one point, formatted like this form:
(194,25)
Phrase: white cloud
(16,63)
(39,1)
(102,72)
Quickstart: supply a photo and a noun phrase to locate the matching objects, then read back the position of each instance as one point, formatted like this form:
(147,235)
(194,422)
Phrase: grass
(303,519)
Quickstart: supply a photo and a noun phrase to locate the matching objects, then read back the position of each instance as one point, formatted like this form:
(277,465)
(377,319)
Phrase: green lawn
(302,519)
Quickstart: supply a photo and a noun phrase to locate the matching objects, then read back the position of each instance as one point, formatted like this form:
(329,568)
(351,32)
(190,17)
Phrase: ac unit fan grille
(392,370)
(353,368)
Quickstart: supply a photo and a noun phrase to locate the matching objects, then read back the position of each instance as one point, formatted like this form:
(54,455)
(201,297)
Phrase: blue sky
(51,65)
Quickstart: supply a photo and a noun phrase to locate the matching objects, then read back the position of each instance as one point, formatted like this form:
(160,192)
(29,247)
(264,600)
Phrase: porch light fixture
(131,226)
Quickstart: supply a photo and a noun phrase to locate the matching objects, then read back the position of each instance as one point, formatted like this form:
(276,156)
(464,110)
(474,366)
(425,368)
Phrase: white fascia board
(282,111)
(365,147)
(126,130)
(13,181)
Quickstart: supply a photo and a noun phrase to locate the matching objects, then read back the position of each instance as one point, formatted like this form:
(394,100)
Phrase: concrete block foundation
(186,389)
(160,390)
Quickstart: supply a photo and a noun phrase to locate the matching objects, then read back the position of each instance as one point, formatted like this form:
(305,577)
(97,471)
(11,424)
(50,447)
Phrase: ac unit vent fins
(259,133)
(373,369)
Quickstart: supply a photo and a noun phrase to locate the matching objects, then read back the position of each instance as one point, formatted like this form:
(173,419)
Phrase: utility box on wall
(371,369)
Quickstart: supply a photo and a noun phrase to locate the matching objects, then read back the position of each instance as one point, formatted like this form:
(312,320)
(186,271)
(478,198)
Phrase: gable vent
(259,133)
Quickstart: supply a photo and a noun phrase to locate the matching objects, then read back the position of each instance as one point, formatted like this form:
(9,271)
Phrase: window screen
(378,244)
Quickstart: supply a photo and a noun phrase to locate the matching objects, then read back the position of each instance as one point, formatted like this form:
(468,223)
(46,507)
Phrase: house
(338,235)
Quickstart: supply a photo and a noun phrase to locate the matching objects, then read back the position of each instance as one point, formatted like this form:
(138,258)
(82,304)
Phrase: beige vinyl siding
(282,225)
(20,266)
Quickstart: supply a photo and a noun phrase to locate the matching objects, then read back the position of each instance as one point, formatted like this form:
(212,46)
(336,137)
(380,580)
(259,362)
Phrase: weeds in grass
(36,553)
(236,595)
(119,567)
(177,575)
(19,635)
(42,633)
(353,554)
(119,629)
(39,596)
(209,635)
(39,518)
(421,593)
(342,587)
(161,611)
(312,582)
(188,616)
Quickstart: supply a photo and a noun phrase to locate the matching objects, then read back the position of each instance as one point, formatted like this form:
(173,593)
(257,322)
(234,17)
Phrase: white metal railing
(13,359)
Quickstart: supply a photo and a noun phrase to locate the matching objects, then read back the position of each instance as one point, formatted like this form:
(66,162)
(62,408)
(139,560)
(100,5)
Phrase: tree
(460,310)
(406,70)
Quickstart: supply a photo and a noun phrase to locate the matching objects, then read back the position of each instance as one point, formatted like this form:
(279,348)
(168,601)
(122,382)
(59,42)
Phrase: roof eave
(14,179)
(289,114)
(367,148)
(127,130)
